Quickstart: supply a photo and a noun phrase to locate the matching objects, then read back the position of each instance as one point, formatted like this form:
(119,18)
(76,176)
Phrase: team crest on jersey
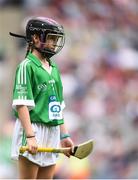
(21,89)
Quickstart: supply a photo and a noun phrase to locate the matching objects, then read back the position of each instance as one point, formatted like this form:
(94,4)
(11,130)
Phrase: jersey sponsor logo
(55,111)
(55,108)
(52,81)
(42,87)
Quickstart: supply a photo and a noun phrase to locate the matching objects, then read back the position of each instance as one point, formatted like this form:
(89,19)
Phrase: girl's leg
(46,172)
(27,169)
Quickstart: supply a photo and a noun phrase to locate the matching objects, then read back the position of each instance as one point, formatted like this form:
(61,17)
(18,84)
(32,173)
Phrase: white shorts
(46,136)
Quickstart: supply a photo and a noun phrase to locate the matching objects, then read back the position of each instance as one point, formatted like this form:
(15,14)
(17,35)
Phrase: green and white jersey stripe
(22,72)
(39,90)
(22,95)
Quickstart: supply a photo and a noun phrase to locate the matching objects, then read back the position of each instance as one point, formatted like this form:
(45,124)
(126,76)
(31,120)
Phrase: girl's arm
(24,117)
(66,141)
(63,129)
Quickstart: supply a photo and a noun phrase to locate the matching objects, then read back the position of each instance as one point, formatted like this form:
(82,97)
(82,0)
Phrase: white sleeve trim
(29,103)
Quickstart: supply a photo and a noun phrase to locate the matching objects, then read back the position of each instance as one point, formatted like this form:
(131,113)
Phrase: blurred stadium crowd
(99,66)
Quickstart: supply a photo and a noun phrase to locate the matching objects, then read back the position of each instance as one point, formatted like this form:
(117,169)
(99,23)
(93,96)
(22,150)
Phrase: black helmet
(45,28)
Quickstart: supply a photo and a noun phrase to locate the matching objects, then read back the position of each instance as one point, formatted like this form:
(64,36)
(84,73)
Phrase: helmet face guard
(50,44)
(57,41)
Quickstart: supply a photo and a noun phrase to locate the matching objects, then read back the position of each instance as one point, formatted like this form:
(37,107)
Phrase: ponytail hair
(29,48)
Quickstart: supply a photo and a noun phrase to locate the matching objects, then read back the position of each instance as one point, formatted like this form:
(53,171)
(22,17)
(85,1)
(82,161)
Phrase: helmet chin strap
(46,53)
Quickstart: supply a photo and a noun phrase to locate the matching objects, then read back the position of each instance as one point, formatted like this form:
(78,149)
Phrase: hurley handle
(42,149)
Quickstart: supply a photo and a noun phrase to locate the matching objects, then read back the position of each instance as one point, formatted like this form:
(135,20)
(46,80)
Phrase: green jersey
(41,91)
